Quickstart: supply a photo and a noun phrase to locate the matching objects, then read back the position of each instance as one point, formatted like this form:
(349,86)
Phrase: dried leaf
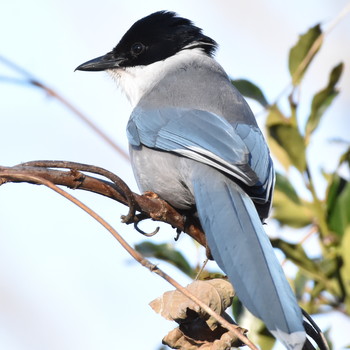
(198,330)
(178,340)
(216,293)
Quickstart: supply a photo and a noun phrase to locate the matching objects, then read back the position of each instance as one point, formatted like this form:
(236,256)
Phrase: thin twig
(138,257)
(29,78)
(204,264)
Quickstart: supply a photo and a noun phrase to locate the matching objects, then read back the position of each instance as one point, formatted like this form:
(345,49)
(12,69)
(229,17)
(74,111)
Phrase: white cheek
(134,81)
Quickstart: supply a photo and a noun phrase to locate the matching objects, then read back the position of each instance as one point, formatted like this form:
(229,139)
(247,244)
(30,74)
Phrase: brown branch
(74,178)
(19,174)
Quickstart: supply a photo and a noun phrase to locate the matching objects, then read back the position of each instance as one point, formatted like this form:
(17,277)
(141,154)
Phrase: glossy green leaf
(250,90)
(300,50)
(286,135)
(167,253)
(323,99)
(338,205)
(345,269)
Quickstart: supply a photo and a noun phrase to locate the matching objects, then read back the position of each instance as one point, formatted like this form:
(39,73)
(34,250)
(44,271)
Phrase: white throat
(135,82)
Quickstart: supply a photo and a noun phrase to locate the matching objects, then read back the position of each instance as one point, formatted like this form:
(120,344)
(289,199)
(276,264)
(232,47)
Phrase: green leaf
(289,213)
(338,205)
(250,90)
(300,50)
(288,137)
(167,253)
(275,117)
(237,309)
(282,184)
(300,281)
(287,140)
(327,334)
(345,269)
(345,157)
(296,253)
(265,340)
(323,99)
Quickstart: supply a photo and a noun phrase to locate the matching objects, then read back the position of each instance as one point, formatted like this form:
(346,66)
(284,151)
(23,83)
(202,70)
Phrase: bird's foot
(150,194)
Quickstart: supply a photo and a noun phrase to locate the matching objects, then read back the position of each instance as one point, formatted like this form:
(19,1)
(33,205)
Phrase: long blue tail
(242,249)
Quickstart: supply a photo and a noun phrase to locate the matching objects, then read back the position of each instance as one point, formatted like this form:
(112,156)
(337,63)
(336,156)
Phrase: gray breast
(164,173)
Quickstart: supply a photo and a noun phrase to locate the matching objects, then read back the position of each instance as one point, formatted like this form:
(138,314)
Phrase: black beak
(108,61)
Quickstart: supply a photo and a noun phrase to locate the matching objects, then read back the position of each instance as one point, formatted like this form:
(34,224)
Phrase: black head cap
(153,38)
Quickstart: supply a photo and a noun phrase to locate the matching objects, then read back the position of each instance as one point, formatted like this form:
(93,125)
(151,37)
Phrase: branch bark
(74,177)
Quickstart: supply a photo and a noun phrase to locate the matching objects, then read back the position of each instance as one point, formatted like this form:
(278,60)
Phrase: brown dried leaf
(197,329)
(216,293)
(178,340)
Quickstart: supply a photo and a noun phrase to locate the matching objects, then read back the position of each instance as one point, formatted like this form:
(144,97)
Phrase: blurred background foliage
(322,282)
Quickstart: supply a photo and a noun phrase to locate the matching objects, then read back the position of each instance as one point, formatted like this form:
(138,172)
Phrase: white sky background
(65,283)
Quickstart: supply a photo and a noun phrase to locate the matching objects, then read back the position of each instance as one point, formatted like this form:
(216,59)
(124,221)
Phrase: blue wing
(238,150)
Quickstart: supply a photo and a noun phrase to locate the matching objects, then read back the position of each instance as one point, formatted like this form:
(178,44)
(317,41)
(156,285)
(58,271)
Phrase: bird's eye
(137,48)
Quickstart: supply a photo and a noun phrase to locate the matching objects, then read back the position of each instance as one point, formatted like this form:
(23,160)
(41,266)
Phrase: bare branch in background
(28,78)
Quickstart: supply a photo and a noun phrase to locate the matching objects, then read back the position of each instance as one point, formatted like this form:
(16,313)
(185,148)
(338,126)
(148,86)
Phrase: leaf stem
(318,206)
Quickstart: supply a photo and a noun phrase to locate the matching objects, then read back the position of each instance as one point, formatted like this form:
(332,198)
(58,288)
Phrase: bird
(194,141)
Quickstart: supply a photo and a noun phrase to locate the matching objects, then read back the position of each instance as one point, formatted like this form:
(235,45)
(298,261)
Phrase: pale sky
(65,283)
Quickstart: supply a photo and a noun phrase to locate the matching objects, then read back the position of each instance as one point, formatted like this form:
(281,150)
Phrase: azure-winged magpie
(195,142)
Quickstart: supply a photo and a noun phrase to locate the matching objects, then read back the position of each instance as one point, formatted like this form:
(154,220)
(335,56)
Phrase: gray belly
(165,174)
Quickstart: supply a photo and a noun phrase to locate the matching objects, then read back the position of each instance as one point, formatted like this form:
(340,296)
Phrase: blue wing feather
(238,150)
